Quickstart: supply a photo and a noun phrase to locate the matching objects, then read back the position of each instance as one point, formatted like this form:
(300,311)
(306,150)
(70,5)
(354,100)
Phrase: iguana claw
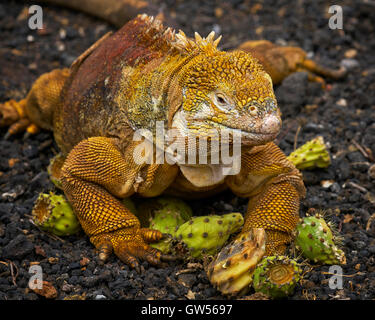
(131,245)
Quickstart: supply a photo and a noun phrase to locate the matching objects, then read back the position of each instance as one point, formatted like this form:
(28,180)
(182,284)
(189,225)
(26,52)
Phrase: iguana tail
(37,109)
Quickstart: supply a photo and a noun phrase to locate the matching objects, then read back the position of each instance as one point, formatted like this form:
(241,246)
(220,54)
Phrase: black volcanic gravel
(343,113)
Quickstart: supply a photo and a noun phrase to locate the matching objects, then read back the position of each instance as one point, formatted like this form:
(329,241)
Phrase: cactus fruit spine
(207,234)
(54,214)
(276,276)
(311,155)
(316,241)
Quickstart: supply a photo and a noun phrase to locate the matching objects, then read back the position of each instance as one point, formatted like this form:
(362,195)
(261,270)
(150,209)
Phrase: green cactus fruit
(129,204)
(165,222)
(54,214)
(315,240)
(170,204)
(207,234)
(165,214)
(276,276)
(312,154)
(54,169)
(231,272)
(148,208)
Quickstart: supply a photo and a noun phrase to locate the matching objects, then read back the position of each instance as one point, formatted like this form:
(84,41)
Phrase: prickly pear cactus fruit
(232,271)
(165,214)
(312,154)
(207,234)
(54,214)
(54,169)
(149,208)
(165,222)
(178,206)
(316,241)
(276,276)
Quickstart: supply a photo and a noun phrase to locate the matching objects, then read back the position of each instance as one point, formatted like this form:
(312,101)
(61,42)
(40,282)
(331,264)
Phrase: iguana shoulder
(89,98)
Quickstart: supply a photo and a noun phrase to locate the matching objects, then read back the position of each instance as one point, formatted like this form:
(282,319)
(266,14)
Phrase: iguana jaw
(250,135)
(260,131)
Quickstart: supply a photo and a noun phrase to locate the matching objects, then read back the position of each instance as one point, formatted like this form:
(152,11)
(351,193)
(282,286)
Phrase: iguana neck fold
(154,92)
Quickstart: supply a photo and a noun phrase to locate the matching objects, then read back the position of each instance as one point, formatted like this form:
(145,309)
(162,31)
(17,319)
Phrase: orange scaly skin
(127,81)
(279,62)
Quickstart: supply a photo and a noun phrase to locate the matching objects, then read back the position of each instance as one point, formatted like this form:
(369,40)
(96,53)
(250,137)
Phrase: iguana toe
(13,115)
(130,245)
(151,235)
(9,113)
(105,250)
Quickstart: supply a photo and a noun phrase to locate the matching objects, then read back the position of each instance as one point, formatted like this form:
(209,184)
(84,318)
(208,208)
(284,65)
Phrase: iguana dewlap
(146,73)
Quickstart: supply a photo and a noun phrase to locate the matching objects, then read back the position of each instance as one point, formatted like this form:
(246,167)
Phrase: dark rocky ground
(343,113)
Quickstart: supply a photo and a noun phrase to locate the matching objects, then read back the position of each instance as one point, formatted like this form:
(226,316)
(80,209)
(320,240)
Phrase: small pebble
(349,64)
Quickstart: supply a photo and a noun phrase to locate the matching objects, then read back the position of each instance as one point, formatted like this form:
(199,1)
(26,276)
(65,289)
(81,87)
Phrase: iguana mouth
(245,133)
(267,130)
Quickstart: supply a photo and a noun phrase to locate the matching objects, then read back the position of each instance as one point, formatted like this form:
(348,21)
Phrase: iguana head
(227,90)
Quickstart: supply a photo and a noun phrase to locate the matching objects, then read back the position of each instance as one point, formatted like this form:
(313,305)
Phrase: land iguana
(146,73)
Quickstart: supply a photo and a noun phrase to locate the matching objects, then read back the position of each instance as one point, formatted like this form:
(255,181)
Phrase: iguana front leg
(274,187)
(94,175)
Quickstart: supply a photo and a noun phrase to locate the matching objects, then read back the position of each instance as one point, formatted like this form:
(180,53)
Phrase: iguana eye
(221,99)
(222,102)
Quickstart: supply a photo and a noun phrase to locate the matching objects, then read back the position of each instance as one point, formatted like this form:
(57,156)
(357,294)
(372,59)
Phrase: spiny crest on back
(186,45)
(180,41)
(156,29)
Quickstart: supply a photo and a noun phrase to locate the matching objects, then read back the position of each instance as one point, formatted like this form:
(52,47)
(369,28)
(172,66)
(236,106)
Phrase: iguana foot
(131,245)
(37,109)
(13,115)
(95,176)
